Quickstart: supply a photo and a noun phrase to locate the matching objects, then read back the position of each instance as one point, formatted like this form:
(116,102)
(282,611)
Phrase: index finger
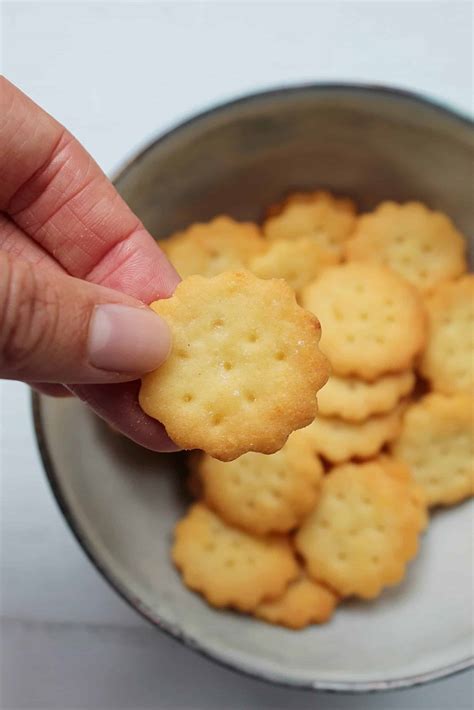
(55,192)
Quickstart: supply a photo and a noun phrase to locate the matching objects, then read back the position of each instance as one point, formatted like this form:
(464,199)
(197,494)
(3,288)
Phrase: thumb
(55,328)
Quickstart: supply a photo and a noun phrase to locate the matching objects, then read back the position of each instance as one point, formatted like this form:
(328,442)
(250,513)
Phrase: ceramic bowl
(122,501)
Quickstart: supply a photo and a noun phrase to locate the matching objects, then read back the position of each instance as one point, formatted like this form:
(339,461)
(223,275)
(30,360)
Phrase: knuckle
(28,315)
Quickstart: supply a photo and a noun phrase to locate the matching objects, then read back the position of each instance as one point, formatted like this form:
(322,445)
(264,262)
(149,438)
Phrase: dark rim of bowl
(54,480)
(374,89)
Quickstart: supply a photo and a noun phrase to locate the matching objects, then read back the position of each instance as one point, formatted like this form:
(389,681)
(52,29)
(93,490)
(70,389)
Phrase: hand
(76,270)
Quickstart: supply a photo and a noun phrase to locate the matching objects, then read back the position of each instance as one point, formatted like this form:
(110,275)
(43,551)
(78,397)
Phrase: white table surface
(116,73)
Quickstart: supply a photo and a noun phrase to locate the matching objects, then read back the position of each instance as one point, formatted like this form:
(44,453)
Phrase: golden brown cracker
(373,322)
(245,366)
(213,247)
(326,219)
(362,532)
(448,360)
(303,602)
(339,440)
(421,245)
(298,261)
(229,567)
(353,399)
(437,443)
(397,468)
(264,494)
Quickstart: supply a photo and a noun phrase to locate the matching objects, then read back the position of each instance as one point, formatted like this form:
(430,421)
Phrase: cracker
(213,247)
(373,322)
(395,467)
(303,602)
(263,494)
(402,472)
(231,568)
(437,443)
(421,245)
(245,366)
(353,399)
(298,261)
(362,532)
(326,219)
(448,360)
(338,440)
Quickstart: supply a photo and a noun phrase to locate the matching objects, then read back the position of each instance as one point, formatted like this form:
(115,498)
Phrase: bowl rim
(54,479)
(382,90)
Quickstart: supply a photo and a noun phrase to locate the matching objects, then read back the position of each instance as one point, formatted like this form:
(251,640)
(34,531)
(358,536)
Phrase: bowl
(122,502)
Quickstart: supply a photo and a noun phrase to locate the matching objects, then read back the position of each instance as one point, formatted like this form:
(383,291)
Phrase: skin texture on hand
(65,229)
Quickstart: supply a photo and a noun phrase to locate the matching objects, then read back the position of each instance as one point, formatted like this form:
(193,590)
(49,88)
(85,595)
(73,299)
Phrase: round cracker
(229,567)
(326,219)
(437,443)
(362,532)
(421,245)
(298,262)
(213,247)
(339,440)
(448,360)
(395,467)
(353,399)
(264,494)
(245,366)
(373,322)
(303,602)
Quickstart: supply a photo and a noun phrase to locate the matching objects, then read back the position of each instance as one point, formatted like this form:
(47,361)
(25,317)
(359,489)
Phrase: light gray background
(116,73)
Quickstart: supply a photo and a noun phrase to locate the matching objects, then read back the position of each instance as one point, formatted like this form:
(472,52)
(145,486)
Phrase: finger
(57,328)
(132,420)
(118,405)
(50,389)
(137,267)
(53,190)
(123,257)
(17,244)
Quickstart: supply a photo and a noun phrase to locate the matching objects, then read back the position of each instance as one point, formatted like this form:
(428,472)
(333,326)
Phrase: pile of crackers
(287,527)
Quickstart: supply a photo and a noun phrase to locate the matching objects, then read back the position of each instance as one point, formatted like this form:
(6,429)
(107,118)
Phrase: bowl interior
(123,501)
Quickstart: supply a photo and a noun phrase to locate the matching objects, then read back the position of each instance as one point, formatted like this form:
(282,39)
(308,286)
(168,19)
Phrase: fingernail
(127,339)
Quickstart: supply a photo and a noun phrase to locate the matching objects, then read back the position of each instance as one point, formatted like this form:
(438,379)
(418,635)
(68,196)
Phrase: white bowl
(122,501)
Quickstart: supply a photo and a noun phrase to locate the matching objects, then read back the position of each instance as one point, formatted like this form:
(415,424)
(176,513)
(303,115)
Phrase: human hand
(76,270)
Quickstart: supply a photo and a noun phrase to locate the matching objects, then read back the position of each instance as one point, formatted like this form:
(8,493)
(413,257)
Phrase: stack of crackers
(294,513)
